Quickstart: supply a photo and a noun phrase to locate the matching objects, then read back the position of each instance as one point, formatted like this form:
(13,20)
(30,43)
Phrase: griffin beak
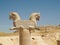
(38,18)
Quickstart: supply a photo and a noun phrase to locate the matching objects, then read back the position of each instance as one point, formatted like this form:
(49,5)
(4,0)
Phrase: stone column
(24,37)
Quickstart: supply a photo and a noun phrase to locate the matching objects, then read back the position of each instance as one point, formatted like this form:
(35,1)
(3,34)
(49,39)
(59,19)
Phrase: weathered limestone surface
(38,40)
(9,40)
(25,37)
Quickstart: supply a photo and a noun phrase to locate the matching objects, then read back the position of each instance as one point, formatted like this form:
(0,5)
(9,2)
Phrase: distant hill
(8,34)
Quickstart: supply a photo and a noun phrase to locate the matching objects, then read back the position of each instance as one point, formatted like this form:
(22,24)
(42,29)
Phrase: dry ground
(36,39)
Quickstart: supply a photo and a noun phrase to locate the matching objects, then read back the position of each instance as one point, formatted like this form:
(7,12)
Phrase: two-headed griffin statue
(25,24)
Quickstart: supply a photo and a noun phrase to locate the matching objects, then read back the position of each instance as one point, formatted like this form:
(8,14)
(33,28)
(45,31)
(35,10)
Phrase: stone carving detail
(26,24)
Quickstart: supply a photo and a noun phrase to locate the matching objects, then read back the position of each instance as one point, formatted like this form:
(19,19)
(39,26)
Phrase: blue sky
(49,9)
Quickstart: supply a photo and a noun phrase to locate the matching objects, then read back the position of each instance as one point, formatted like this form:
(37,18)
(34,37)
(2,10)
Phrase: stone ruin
(24,26)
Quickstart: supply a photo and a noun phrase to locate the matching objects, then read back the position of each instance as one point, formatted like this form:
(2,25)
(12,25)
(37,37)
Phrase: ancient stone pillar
(24,37)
